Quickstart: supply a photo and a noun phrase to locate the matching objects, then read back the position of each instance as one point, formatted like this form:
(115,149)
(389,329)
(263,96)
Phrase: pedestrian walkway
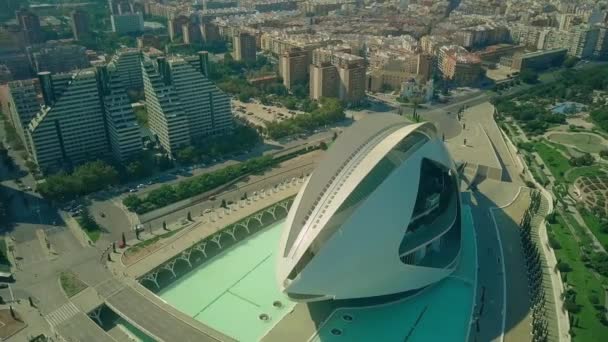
(63,313)
(204,227)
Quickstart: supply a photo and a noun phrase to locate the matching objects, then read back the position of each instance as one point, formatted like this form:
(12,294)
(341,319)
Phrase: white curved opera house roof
(380,215)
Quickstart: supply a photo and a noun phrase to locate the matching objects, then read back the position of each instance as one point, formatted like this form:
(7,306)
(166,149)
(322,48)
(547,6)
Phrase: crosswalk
(62,314)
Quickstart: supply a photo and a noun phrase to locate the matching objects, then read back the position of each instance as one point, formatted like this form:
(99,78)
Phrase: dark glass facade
(436,212)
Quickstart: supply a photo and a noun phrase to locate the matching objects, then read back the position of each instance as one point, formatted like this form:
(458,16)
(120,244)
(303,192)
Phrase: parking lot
(259,114)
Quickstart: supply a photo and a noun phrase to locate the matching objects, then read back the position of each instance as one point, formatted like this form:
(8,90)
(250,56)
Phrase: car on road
(3,286)
(132,190)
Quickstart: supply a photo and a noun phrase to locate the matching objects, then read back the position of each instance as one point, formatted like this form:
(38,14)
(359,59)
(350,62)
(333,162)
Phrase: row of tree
(169,194)
(330,111)
(85,179)
(243,137)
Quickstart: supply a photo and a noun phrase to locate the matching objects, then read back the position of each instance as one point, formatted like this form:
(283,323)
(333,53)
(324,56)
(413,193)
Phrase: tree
(223,205)
(570,61)
(528,76)
(300,90)
(189,217)
(165,225)
(188,154)
(323,145)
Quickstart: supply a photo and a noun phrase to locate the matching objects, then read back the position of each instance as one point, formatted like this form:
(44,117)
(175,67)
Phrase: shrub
(554,243)
(563,266)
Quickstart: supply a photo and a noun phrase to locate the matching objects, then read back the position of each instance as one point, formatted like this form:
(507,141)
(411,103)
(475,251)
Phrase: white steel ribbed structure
(379,216)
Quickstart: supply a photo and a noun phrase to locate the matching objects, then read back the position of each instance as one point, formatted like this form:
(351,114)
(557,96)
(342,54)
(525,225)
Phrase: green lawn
(557,163)
(589,328)
(585,142)
(5,264)
(71,284)
(90,227)
(141,115)
(593,223)
(594,170)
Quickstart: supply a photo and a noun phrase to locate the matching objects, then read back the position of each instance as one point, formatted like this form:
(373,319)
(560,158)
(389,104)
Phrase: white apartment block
(122,127)
(183,105)
(70,127)
(23,106)
(127,63)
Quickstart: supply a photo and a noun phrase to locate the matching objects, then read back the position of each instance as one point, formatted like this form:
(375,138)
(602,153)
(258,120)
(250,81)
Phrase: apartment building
(347,80)
(459,66)
(23,104)
(127,23)
(293,67)
(395,67)
(279,42)
(69,118)
(29,23)
(122,128)
(69,129)
(183,105)
(244,47)
(324,81)
(127,65)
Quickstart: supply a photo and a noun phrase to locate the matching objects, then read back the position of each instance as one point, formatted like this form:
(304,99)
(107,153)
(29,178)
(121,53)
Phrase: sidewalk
(563,322)
(202,227)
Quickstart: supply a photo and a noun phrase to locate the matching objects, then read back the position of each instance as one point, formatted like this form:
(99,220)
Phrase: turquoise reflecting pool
(134,334)
(232,290)
(440,313)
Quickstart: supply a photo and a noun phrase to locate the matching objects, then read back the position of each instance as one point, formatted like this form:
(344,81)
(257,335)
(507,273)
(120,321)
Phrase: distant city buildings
(57,57)
(244,46)
(30,25)
(127,23)
(539,60)
(80,23)
(459,66)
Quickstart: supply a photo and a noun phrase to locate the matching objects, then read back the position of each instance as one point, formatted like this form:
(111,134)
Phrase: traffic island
(70,284)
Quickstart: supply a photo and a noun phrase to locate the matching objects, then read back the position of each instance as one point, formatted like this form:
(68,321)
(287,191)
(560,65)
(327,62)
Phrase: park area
(586,142)
(584,289)
(594,191)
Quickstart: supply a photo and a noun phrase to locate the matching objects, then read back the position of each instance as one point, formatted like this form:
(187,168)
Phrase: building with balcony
(184,106)
(244,47)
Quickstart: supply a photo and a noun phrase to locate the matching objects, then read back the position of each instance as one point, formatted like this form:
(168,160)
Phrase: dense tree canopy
(85,179)
(168,194)
(330,111)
